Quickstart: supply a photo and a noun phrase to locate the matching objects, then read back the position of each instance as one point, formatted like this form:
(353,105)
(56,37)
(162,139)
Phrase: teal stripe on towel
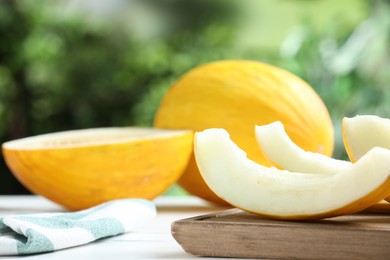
(3,227)
(102,227)
(36,243)
(39,233)
(98,228)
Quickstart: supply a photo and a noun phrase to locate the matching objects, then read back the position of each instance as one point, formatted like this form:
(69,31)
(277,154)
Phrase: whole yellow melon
(238,95)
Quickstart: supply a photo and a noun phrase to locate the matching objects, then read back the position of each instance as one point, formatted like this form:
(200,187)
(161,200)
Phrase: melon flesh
(289,195)
(361,133)
(282,152)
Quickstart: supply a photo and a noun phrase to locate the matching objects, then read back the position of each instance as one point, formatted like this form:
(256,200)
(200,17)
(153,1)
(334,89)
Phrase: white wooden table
(152,242)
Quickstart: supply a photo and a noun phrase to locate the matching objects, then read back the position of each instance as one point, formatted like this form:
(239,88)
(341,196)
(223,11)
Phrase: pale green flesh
(270,191)
(281,150)
(92,136)
(365,132)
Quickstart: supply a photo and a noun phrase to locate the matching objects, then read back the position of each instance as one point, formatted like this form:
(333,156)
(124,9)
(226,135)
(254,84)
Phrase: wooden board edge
(200,237)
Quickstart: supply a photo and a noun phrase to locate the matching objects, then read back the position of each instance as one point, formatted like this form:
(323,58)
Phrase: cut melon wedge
(361,133)
(282,194)
(82,168)
(282,152)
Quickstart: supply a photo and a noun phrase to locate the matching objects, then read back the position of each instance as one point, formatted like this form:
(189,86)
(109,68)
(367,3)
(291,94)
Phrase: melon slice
(282,152)
(361,133)
(82,168)
(282,194)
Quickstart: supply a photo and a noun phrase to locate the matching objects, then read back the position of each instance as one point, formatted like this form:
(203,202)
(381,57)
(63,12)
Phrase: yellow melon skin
(237,95)
(81,177)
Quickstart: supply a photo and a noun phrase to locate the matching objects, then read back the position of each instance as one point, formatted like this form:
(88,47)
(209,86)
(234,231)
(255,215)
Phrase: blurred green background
(80,64)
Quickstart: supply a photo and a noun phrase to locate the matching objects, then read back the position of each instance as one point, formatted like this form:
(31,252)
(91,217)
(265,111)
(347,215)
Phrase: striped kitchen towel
(46,232)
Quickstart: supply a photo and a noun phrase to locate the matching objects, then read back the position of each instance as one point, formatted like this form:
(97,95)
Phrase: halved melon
(361,133)
(282,152)
(82,168)
(289,195)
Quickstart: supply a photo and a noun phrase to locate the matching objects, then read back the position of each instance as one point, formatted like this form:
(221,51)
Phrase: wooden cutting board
(234,233)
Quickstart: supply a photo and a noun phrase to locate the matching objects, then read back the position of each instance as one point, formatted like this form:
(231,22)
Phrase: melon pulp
(282,194)
(282,152)
(361,133)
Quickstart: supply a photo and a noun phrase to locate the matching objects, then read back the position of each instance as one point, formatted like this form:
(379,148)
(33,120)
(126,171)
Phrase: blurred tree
(349,69)
(15,96)
(62,69)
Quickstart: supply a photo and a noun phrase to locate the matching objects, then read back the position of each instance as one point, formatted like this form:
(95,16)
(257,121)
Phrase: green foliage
(349,70)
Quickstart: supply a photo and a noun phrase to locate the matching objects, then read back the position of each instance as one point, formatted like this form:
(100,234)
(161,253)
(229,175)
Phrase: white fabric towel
(46,232)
